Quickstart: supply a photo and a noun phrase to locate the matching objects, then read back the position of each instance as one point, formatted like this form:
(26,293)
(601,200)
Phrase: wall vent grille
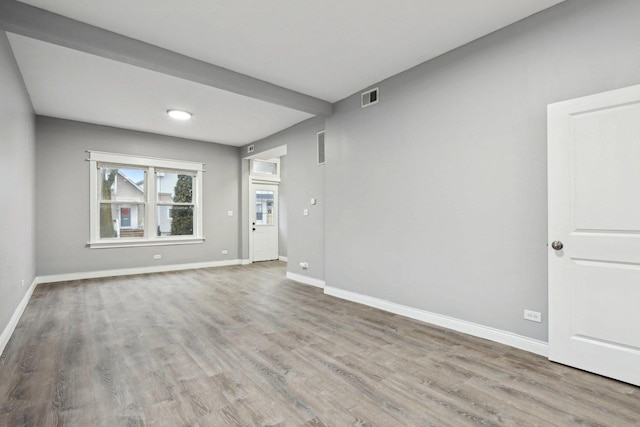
(251,148)
(321,158)
(370,97)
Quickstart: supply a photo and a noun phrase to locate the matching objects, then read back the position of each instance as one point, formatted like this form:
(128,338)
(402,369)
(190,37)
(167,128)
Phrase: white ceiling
(68,84)
(328,49)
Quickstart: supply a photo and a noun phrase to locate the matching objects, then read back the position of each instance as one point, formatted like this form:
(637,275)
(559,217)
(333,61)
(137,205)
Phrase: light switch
(313,201)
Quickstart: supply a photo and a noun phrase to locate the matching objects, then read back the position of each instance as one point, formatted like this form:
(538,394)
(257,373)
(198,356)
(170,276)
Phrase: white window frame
(150,217)
(265,176)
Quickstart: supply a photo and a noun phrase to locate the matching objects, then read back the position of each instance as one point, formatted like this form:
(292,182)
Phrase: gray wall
(17,186)
(283,222)
(304,181)
(436,197)
(62,184)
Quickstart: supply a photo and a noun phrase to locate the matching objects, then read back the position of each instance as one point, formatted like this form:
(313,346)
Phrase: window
(264,207)
(267,170)
(262,167)
(121,193)
(138,201)
(174,203)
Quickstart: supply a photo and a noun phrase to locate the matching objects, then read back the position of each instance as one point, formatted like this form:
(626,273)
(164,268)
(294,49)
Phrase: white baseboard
(283,258)
(497,335)
(137,270)
(245,262)
(305,279)
(8,331)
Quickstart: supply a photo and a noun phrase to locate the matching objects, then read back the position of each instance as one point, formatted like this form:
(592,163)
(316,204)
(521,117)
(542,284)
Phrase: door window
(264,207)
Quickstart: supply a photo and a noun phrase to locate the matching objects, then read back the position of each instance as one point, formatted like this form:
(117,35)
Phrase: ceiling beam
(29,21)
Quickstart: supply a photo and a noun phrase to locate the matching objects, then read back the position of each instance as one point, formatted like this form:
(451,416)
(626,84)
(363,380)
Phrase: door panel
(602,293)
(264,222)
(594,209)
(606,154)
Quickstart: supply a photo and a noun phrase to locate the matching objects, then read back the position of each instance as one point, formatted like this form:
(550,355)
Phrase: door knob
(254,229)
(557,245)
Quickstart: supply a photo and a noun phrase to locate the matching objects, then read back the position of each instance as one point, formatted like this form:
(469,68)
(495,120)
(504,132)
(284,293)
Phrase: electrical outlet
(23,283)
(304,265)
(305,212)
(157,256)
(229,213)
(225,252)
(534,316)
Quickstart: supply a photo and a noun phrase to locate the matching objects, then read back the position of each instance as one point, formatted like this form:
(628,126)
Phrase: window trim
(264,176)
(150,164)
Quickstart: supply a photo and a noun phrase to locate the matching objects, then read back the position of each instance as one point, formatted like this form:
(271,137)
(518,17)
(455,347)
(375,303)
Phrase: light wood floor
(244,346)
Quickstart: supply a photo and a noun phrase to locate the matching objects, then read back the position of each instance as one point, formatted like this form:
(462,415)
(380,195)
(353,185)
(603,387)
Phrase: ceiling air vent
(321,148)
(370,97)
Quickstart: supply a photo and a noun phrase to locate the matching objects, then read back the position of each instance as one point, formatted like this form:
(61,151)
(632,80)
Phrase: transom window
(138,201)
(266,170)
(265,167)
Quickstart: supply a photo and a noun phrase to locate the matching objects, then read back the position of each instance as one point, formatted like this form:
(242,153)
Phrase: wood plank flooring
(245,346)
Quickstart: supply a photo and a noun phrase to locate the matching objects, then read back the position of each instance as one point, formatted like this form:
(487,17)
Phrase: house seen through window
(143,201)
(122,202)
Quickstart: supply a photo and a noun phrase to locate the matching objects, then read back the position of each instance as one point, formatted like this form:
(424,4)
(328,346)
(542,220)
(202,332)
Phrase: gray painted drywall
(62,183)
(282,207)
(243,215)
(436,198)
(40,24)
(304,181)
(17,186)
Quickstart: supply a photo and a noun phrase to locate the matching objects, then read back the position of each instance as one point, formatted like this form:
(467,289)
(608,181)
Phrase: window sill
(129,243)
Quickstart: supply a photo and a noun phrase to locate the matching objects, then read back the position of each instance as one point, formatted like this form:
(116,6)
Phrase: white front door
(594,233)
(264,222)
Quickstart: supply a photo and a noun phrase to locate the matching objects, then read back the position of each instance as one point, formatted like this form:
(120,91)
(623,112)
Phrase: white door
(264,222)
(594,224)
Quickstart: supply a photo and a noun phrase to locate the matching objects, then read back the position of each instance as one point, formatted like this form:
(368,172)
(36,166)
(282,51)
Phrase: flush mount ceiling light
(179,114)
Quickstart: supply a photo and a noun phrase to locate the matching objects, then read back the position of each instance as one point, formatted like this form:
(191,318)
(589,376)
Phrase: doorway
(262,171)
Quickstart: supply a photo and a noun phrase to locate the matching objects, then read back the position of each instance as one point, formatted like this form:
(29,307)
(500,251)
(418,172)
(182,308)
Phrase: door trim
(245,230)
